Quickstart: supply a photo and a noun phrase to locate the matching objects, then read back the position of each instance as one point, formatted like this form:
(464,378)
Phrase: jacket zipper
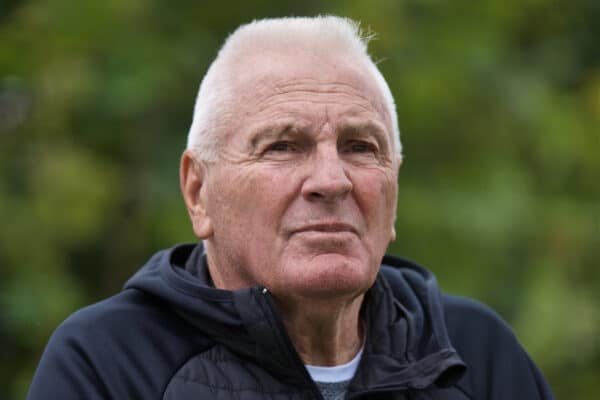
(271,312)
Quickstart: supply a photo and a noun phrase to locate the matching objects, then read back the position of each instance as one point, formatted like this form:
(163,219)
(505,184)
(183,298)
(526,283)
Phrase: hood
(407,343)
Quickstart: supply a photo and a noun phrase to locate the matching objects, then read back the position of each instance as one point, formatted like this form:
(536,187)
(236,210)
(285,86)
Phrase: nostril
(316,195)
(329,191)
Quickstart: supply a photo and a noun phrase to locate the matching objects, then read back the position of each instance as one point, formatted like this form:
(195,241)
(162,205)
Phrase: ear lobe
(393,236)
(192,175)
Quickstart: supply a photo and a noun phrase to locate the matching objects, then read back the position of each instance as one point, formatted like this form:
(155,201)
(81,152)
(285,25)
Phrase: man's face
(302,199)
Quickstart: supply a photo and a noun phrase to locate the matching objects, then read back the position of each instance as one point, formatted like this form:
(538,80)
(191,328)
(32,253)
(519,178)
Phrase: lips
(327,227)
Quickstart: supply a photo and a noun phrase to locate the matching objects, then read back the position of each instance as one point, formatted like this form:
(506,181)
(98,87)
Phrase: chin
(334,276)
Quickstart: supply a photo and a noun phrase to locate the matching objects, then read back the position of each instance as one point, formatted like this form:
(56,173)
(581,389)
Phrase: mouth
(331,228)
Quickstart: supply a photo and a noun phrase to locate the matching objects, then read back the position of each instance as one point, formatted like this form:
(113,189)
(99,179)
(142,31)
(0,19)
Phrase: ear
(393,234)
(192,174)
(399,161)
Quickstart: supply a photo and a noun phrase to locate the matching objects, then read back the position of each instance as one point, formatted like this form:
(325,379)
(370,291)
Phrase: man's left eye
(280,147)
(361,147)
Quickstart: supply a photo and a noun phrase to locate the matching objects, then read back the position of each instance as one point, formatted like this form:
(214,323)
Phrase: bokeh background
(499,106)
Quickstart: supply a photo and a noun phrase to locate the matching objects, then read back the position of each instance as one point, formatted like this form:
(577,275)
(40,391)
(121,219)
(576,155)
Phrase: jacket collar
(407,345)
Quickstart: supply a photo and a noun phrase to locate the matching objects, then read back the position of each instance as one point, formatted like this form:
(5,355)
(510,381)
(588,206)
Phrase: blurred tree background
(498,102)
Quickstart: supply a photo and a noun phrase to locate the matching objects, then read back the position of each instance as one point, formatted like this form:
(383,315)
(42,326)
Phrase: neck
(324,332)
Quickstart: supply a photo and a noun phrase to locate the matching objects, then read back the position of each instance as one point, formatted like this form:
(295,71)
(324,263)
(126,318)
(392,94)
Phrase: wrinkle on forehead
(268,83)
(303,70)
(314,91)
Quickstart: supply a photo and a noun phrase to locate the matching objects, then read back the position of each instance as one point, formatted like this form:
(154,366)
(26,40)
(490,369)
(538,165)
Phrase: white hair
(325,34)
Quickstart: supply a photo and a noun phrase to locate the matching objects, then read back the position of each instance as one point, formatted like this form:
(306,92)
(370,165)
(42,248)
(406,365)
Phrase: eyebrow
(270,131)
(349,127)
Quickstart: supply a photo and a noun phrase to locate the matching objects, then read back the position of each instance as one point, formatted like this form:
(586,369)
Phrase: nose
(327,179)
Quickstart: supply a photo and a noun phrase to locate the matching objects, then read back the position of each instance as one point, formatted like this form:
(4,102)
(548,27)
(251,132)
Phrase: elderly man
(290,181)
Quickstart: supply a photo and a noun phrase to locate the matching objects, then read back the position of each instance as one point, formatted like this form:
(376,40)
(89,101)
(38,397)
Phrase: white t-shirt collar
(337,373)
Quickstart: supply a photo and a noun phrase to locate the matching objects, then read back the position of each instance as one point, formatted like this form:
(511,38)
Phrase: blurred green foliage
(498,102)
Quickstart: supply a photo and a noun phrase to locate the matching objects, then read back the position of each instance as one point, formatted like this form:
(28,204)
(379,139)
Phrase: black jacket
(170,335)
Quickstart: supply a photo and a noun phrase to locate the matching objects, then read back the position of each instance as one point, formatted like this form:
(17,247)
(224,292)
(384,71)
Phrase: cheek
(274,186)
(377,192)
(377,201)
(252,197)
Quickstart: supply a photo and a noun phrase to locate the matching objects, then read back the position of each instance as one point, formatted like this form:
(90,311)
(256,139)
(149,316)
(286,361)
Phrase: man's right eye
(281,147)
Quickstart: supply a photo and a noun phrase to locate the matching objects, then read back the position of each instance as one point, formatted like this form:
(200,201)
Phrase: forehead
(307,86)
